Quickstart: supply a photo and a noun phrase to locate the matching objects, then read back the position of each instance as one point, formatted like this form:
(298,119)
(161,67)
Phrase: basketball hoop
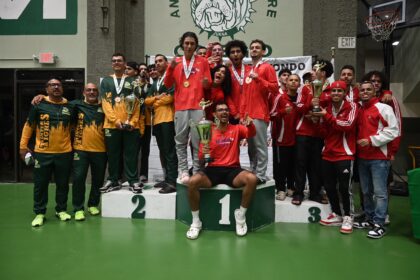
(381,24)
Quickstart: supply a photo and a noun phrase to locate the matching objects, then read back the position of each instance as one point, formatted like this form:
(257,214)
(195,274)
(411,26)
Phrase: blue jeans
(373,181)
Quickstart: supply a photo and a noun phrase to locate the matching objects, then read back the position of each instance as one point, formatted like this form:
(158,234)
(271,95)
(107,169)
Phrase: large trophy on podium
(317,85)
(130,102)
(204,129)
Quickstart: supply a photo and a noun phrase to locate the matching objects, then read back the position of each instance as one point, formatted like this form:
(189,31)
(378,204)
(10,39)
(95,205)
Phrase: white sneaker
(185,178)
(332,220)
(241,227)
(281,195)
(347,225)
(290,192)
(126,185)
(194,231)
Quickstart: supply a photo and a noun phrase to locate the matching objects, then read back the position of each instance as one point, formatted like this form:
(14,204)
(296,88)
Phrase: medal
(248,80)
(188,68)
(186,84)
(117,99)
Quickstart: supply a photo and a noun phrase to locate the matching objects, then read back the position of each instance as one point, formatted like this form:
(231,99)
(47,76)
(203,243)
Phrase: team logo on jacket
(65,111)
(221,18)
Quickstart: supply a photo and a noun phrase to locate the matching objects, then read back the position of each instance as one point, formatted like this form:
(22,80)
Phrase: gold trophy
(130,102)
(317,85)
(204,129)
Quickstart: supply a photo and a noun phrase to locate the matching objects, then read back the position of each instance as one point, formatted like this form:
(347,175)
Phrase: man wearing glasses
(224,169)
(50,120)
(121,126)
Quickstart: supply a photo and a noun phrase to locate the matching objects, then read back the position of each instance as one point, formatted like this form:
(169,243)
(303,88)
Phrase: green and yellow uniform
(163,128)
(89,150)
(120,141)
(51,122)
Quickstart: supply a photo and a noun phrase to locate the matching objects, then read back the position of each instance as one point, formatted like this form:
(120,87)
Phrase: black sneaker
(363,225)
(376,232)
(168,189)
(160,185)
(136,187)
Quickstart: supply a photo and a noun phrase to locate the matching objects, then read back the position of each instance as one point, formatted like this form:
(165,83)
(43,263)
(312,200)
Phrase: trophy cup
(317,85)
(204,129)
(130,103)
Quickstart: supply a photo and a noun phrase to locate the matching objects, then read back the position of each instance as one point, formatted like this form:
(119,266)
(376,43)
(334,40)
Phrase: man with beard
(259,83)
(224,169)
(161,100)
(50,119)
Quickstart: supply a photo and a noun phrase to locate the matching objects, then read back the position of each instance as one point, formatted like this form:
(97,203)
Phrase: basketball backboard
(391,6)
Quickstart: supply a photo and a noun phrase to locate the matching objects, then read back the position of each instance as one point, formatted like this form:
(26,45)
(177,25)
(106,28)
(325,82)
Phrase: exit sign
(346,42)
(38,17)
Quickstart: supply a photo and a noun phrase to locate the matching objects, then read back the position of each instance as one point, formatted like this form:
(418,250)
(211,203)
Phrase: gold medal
(186,84)
(117,99)
(248,80)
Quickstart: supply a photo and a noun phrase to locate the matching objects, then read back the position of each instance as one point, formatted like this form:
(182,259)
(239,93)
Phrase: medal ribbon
(118,87)
(188,68)
(240,79)
(160,81)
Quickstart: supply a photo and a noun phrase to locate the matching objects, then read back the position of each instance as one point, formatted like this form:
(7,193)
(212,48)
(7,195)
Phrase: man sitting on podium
(224,168)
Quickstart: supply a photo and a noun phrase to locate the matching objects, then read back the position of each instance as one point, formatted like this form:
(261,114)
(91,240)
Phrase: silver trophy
(130,102)
(317,85)
(204,129)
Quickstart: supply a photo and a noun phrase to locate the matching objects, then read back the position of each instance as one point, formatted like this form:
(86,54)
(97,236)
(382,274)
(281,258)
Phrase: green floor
(109,248)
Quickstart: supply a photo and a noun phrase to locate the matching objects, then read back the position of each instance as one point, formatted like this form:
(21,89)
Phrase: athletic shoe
(143,179)
(38,221)
(290,193)
(106,185)
(241,227)
(160,185)
(363,225)
(281,195)
(194,231)
(136,187)
(169,188)
(63,216)
(387,220)
(113,187)
(347,225)
(185,178)
(126,185)
(93,210)
(376,232)
(332,220)
(79,215)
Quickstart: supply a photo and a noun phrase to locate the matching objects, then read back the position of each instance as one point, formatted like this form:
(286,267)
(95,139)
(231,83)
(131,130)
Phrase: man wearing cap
(337,126)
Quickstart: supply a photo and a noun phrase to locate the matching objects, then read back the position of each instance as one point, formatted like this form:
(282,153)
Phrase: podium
(217,206)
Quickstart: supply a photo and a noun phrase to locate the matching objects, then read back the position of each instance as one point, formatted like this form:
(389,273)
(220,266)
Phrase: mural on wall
(279,23)
(221,18)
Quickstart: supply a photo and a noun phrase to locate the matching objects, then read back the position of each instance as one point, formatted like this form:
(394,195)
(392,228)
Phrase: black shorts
(221,175)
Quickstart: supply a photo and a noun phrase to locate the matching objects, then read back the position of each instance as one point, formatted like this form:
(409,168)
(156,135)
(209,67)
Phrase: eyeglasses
(54,85)
(337,90)
(117,60)
(222,110)
(91,89)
